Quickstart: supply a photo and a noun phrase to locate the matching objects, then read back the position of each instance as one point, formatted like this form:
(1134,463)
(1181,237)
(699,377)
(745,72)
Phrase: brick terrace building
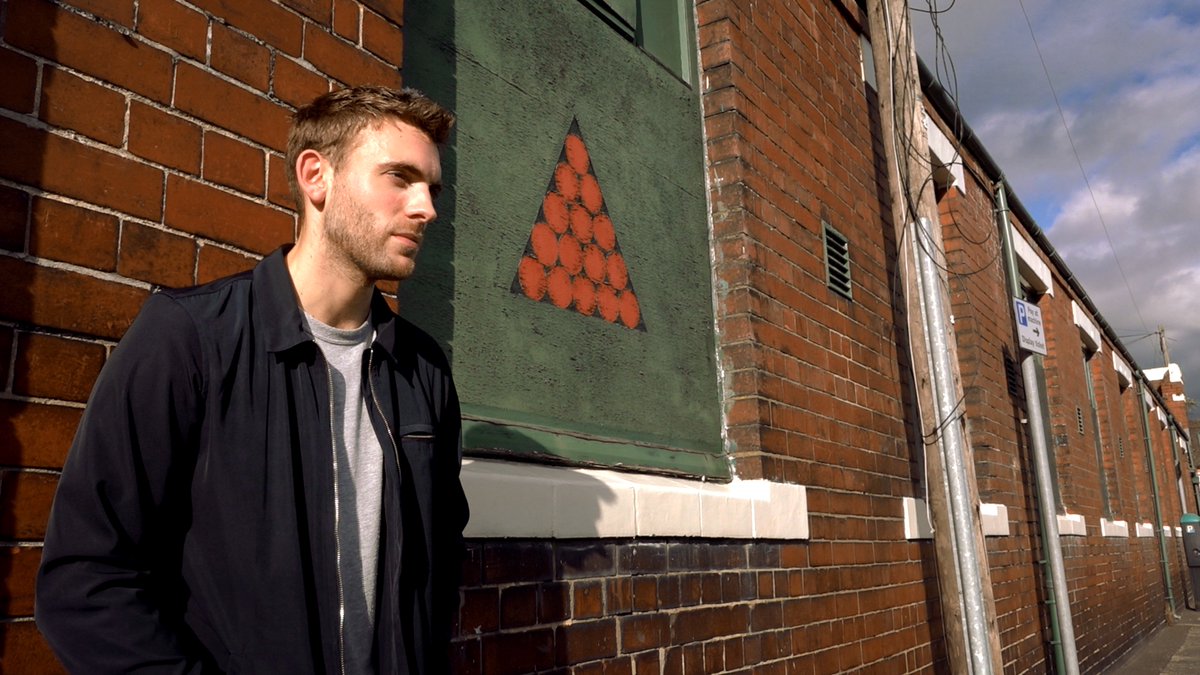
(732,482)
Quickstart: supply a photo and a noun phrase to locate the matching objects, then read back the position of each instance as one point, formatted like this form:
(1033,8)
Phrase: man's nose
(421,207)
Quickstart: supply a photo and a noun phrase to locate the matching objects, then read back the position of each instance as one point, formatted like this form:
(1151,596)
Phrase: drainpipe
(1062,629)
(1183,505)
(1187,452)
(1176,443)
(953,448)
(1162,540)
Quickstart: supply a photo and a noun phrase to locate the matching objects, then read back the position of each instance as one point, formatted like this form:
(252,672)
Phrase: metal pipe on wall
(1062,626)
(1158,519)
(954,449)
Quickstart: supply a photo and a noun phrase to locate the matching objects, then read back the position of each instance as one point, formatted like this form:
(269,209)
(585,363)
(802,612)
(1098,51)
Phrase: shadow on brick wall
(539,604)
(905,375)
(29,439)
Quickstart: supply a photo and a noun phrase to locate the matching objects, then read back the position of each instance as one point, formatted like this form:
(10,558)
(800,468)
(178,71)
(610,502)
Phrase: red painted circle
(603,232)
(566,181)
(618,276)
(585,296)
(631,312)
(570,254)
(577,154)
(593,263)
(606,299)
(545,244)
(533,278)
(554,207)
(559,287)
(589,190)
(581,222)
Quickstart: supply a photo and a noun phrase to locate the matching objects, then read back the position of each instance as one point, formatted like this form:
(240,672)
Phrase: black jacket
(193,528)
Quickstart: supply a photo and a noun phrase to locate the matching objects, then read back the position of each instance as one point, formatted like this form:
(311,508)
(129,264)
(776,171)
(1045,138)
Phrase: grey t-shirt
(359,459)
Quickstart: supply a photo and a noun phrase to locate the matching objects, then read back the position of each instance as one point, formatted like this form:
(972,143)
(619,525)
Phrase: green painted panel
(516,81)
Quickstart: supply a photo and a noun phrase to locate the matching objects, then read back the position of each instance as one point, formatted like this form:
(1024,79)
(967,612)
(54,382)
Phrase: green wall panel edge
(600,393)
(490,436)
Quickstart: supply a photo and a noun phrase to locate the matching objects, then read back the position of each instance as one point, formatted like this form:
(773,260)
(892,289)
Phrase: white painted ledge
(1144,529)
(1172,372)
(945,154)
(512,499)
(1178,531)
(1088,331)
(1124,372)
(916,519)
(1072,524)
(1033,269)
(1167,531)
(994,518)
(1114,528)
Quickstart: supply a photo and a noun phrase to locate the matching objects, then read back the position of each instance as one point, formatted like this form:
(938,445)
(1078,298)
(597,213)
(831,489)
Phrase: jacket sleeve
(453,506)
(108,592)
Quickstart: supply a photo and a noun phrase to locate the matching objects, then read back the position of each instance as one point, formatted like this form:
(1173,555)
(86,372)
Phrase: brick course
(709,608)
(161,165)
(158,164)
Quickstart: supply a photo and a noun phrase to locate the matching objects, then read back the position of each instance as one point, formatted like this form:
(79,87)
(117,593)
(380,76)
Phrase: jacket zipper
(379,410)
(337,529)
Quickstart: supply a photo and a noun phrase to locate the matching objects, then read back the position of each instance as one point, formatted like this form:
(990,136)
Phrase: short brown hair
(331,122)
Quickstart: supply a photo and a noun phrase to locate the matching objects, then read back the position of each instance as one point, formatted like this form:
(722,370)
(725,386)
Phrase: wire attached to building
(1071,140)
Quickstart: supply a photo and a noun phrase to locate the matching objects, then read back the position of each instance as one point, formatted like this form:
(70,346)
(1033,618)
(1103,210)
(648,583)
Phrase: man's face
(382,200)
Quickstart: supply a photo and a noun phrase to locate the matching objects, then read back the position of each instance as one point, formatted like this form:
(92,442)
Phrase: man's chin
(394,272)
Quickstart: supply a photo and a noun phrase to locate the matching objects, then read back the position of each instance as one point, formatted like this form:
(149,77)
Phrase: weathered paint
(517,80)
(573,259)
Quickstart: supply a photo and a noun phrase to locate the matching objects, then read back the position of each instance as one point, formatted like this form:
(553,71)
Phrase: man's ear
(313,175)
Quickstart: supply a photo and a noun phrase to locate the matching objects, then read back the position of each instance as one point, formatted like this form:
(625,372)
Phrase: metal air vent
(837,262)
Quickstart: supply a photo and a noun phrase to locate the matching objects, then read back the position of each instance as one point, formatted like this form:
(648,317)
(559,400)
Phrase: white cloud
(1126,77)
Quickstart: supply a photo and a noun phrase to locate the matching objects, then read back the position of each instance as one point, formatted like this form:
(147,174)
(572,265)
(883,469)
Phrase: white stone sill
(1114,528)
(519,500)
(993,518)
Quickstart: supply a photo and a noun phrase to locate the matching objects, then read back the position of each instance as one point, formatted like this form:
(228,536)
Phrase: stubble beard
(351,232)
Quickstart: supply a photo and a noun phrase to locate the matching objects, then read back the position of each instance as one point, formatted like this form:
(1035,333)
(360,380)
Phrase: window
(837,262)
(661,28)
(866,56)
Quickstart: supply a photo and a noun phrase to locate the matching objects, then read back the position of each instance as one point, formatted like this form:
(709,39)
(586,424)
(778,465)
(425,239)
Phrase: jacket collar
(278,315)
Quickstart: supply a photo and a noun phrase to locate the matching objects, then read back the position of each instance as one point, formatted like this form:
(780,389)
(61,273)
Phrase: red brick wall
(1110,614)
(1112,432)
(160,164)
(812,396)
(655,606)
(143,146)
(990,365)
(813,380)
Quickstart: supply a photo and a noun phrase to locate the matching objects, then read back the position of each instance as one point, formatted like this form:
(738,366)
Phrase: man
(266,476)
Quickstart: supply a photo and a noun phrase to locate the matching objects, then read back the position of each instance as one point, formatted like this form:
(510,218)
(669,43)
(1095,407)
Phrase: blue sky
(1127,75)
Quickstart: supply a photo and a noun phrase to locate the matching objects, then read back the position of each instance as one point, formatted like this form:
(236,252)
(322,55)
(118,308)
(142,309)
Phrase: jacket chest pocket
(416,443)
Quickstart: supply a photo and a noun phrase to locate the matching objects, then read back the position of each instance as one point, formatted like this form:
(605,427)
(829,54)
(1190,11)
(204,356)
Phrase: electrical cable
(1062,116)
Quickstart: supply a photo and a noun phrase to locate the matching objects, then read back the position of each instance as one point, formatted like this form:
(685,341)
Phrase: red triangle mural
(572,259)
